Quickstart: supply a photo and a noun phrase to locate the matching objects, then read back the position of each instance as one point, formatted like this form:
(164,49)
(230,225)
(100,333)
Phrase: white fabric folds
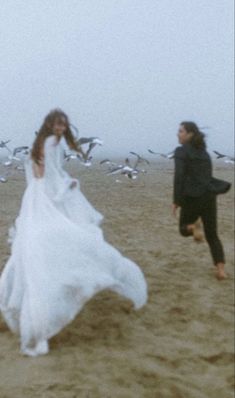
(59,258)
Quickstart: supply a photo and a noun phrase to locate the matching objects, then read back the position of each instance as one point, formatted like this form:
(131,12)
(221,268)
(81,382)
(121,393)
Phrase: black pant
(204,207)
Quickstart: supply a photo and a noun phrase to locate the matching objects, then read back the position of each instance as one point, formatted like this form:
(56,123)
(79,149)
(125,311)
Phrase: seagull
(140,159)
(7,163)
(20,168)
(89,140)
(127,170)
(86,162)
(219,155)
(24,150)
(124,170)
(116,169)
(15,159)
(113,168)
(3,144)
(3,179)
(92,142)
(227,159)
(69,156)
(21,149)
(107,161)
(73,156)
(169,155)
(12,156)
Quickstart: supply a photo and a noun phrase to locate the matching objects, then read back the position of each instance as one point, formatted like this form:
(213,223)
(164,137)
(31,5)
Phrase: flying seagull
(127,169)
(69,156)
(227,159)
(3,144)
(140,159)
(21,149)
(92,143)
(169,155)
(107,161)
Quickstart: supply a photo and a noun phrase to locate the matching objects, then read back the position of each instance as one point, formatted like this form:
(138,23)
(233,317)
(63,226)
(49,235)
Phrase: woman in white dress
(59,258)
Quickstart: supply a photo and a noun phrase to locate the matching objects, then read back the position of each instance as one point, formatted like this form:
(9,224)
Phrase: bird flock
(129,168)
(13,161)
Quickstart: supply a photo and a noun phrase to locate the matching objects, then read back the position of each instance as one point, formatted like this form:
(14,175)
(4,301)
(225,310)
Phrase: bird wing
(84,140)
(3,143)
(20,149)
(171,155)
(134,153)
(115,170)
(219,155)
(91,146)
(145,160)
(97,141)
(154,153)
(104,161)
(88,140)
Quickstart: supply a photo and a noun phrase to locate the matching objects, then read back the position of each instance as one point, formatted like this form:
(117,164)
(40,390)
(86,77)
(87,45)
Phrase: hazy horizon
(126,71)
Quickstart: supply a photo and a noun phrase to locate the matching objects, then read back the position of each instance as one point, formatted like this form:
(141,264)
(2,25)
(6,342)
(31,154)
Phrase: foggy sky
(127,71)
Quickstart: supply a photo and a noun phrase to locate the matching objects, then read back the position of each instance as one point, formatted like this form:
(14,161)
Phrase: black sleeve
(180,168)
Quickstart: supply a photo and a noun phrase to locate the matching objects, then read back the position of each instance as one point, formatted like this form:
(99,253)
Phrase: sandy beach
(180,345)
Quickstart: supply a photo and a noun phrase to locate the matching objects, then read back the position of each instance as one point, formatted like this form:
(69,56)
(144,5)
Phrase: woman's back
(197,169)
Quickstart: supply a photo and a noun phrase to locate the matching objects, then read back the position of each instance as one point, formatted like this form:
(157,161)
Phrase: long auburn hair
(46,130)
(198,137)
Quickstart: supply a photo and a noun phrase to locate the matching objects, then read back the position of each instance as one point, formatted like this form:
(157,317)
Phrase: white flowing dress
(59,258)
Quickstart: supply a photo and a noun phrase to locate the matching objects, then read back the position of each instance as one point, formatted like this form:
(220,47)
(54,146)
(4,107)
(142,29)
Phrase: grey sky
(127,70)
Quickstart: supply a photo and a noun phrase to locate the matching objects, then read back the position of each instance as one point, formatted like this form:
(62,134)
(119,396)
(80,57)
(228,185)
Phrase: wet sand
(180,345)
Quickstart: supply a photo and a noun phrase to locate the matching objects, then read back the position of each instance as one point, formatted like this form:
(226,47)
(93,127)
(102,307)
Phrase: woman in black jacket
(193,174)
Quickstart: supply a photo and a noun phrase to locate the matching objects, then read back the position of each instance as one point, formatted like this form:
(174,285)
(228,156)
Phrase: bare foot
(220,273)
(197,232)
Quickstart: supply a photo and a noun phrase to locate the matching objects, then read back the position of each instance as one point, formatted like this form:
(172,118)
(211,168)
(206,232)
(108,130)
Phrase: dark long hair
(198,137)
(47,129)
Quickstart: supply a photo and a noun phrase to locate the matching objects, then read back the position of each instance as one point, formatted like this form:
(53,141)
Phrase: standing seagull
(4,177)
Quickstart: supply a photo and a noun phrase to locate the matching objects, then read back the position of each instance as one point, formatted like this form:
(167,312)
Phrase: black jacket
(193,172)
